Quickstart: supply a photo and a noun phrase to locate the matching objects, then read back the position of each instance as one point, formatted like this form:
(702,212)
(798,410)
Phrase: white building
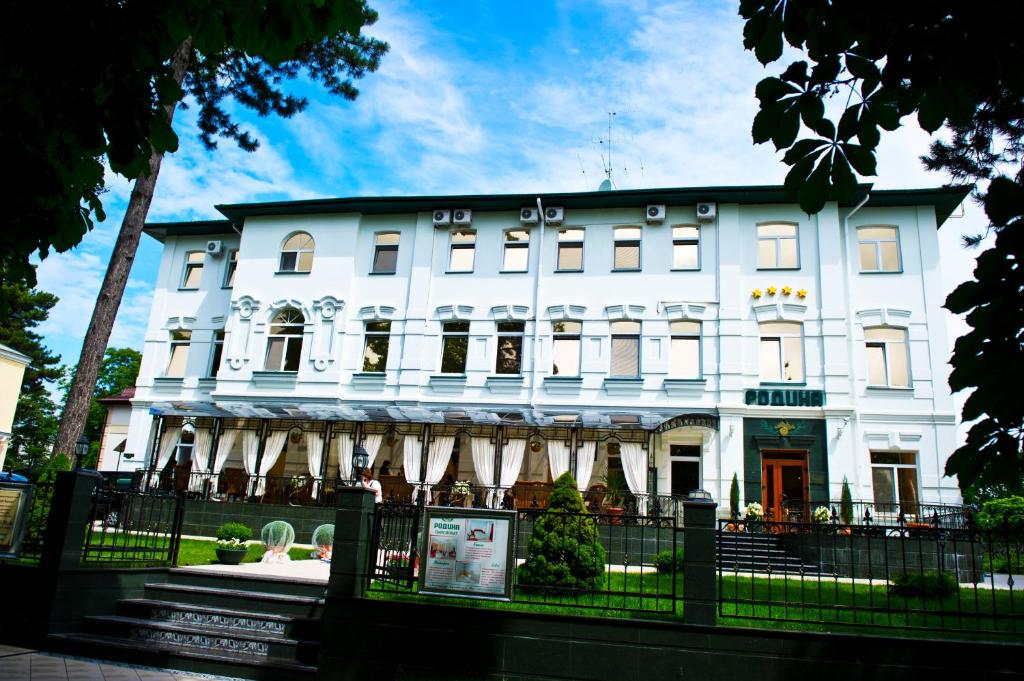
(694,334)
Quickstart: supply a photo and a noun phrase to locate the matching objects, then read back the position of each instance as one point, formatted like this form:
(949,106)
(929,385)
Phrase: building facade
(12,371)
(682,336)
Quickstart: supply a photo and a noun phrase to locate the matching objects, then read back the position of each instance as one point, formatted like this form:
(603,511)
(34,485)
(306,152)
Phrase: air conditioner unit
(706,212)
(442,218)
(214,247)
(655,213)
(554,215)
(462,216)
(529,216)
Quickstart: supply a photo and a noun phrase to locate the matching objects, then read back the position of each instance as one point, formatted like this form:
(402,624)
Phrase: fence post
(700,586)
(69,515)
(353,524)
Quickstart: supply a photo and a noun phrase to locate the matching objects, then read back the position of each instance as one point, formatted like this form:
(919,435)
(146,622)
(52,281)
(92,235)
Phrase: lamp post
(359,460)
(81,449)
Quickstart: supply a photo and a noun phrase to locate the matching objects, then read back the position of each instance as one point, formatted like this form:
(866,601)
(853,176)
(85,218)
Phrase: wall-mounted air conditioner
(655,213)
(554,215)
(529,216)
(214,248)
(462,216)
(707,211)
(442,217)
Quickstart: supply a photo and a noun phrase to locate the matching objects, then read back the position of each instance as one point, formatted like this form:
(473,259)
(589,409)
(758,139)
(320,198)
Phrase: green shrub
(564,549)
(924,585)
(846,504)
(734,498)
(229,531)
(667,562)
(1002,514)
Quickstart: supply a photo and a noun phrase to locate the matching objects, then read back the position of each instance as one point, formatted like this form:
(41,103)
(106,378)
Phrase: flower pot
(231,556)
(615,512)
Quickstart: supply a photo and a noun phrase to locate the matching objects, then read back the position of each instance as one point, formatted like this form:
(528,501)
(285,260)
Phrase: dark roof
(125,395)
(943,199)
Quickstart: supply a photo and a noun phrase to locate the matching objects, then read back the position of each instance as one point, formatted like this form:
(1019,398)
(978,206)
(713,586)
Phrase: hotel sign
(785,397)
(14,505)
(468,553)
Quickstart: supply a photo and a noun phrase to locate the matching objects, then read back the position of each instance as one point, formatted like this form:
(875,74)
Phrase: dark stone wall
(202,518)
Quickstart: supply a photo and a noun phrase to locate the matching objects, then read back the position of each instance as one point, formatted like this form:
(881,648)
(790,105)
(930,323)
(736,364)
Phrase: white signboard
(468,552)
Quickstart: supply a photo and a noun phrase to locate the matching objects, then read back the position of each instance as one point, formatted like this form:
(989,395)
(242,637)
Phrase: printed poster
(13,507)
(467,554)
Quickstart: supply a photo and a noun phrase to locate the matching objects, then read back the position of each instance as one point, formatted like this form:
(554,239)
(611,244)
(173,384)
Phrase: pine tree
(734,498)
(564,550)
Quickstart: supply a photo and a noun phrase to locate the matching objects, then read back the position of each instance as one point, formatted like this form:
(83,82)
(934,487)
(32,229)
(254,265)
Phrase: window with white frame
(686,247)
(193,274)
(178,359)
(284,343)
(509,359)
(218,352)
(462,251)
(685,349)
(516,255)
(570,250)
(777,247)
(887,358)
(375,346)
(186,443)
(565,348)
(454,345)
(232,265)
(625,353)
(879,249)
(782,352)
(297,253)
(627,248)
(385,252)
(894,481)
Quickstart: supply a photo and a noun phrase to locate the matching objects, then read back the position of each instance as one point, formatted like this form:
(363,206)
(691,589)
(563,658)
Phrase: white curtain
(371,443)
(167,445)
(314,457)
(271,451)
(483,465)
(511,463)
(634,466)
(343,445)
(437,460)
(411,462)
(585,464)
(558,458)
(250,450)
(224,447)
(200,460)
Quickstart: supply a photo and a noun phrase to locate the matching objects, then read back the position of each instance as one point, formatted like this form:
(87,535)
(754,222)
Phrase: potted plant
(462,493)
(754,515)
(231,543)
(616,490)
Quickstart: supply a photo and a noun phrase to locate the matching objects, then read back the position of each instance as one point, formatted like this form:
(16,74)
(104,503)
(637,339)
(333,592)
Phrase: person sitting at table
(367,481)
(385,468)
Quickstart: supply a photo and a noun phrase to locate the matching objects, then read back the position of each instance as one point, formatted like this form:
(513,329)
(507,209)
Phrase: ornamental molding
(450,312)
(180,323)
(679,310)
(566,311)
(508,312)
(328,306)
(778,311)
(372,312)
(884,316)
(619,312)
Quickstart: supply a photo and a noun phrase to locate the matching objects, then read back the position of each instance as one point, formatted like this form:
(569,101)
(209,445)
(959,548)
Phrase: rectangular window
(510,348)
(375,347)
(218,352)
(627,248)
(685,350)
(777,247)
(887,357)
(625,349)
(385,253)
(516,257)
(565,348)
(463,249)
(178,361)
(894,482)
(570,250)
(193,269)
(879,249)
(454,344)
(686,247)
(229,271)
(782,352)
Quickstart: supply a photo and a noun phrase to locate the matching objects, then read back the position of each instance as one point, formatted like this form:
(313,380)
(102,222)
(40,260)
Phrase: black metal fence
(901,576)
(38,517)
(865,512)
(394,558)
(133,528)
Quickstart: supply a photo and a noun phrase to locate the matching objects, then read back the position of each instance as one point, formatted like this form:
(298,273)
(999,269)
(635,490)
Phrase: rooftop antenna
(606,162)
(586,182)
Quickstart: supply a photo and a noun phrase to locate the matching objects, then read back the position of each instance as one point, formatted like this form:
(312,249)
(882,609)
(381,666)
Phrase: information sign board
(467,552)
(14,506)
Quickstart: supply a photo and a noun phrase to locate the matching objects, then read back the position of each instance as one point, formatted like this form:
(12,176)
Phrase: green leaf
(797,175)
(811,109)
(861,68)
(843,181)
(771,90)
(862,159)
(931,111)
(1004,200)
(796,73)
(765,123)
(849,122)
(801,149)
(826,129)
(814,192)
(787,128)
(769,47)
(868,135)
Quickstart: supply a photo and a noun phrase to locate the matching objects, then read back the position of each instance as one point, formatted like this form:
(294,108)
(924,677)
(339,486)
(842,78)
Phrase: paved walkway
(21,664)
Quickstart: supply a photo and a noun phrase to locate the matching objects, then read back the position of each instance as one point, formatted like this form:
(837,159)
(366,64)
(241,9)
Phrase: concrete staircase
(761,553)
(214,624)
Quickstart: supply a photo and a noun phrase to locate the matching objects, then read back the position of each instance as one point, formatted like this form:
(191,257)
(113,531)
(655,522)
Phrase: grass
(204,552)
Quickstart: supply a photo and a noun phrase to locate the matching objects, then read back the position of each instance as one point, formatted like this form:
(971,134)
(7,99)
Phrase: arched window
(297,253)
(782,352)
(284,344)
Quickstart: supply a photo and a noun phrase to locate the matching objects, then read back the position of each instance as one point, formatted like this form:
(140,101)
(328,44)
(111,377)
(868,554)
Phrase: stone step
(183,658)
(237,599)
(247,620)
(198,576)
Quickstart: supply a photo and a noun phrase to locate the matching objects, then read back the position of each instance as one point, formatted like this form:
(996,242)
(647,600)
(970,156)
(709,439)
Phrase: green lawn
(204,552)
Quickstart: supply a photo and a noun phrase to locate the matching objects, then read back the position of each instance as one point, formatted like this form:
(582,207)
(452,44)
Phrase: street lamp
(81,449)
(359,460)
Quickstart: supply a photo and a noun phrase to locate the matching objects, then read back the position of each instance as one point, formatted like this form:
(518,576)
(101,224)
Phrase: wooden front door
(784,485)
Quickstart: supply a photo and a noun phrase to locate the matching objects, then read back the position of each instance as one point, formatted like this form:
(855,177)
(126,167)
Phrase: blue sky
(489,97)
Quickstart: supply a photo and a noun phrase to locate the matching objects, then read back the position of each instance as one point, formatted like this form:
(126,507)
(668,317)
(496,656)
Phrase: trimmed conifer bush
(564,550)
(734,498)
(845,504)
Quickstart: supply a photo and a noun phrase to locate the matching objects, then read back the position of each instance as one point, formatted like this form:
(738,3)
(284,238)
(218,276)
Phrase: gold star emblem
(756,293)
(784,428)
(786,290)
(802,293)
(772,290)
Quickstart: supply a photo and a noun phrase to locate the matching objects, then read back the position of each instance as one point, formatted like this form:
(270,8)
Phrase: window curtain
(558,458)
(634,466)
(511,463)
(271,452)
(411,463)
(314,458)
(224,447)
(371,443)
(585,464)
(250,450)
(437,460)
(200,460)
(169,442)
(483,466)
(343,446)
